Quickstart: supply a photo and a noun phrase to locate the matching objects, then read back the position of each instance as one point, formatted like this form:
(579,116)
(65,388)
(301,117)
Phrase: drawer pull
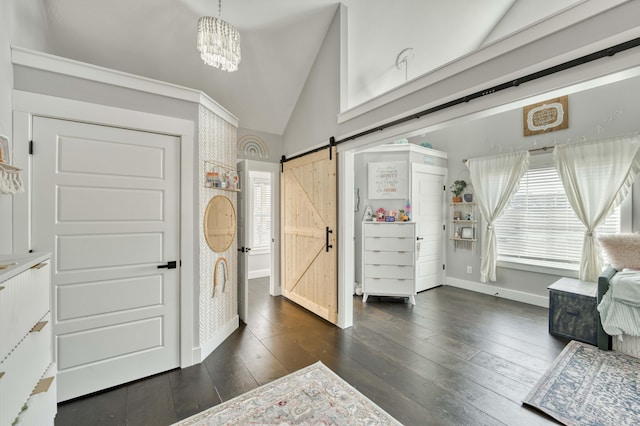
(1,287)
(39,326)
(43,385)
(1,374)
(39,265)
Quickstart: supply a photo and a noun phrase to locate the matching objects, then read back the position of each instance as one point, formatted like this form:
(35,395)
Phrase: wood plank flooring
(455,358)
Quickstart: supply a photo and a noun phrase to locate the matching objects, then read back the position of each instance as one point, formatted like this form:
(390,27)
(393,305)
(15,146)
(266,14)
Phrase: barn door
(308,211)
(106,205)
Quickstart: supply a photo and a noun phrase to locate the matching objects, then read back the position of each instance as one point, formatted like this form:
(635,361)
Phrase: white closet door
(106,204)
(427,200)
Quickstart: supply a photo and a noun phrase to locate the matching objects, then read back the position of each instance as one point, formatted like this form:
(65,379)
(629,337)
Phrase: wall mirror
(220,223)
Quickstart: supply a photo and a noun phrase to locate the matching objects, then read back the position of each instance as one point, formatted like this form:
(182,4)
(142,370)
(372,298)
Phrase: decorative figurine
(368,214)
(380,214)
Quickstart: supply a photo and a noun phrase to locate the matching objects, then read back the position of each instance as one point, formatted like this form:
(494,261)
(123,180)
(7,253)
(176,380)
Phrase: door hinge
(443,266)
(30,147)
(444,227)
(444,187)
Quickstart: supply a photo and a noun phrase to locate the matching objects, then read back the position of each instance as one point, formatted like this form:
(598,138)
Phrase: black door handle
(169,265)
(244,249)
(419,238)
(327,246)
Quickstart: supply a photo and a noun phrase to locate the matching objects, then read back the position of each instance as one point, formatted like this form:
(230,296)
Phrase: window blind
(539,226)
(261,235)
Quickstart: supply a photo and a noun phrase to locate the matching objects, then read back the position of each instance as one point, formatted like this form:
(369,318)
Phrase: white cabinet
(421,181)
(27,394)
(389,259)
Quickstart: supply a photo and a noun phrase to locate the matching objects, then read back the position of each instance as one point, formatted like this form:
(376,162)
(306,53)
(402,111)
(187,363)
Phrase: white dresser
(27,391)
(389,259)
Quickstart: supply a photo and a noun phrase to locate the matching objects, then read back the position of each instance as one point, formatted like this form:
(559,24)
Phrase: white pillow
(623,250)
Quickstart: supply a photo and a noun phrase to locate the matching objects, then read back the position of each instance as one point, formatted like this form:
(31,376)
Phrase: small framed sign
(547,116)
(388,180)
(466,233)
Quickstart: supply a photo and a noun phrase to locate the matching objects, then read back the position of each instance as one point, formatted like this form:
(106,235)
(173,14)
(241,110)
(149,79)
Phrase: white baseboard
(258,273)
(518,296)
(203,351)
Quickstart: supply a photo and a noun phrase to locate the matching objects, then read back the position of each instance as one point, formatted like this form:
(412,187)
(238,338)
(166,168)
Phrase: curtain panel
(495,179)
(596,177)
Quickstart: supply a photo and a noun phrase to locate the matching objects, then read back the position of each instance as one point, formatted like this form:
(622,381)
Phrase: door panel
(243,242)
(309,217)
(106,204)
(426,210)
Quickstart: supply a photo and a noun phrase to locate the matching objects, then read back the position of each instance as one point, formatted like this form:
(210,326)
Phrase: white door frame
(26,105)
(273,168)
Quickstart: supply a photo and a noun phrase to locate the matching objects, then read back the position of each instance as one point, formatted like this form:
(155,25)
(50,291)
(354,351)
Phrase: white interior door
(243,241)
(427,211)
(106,204)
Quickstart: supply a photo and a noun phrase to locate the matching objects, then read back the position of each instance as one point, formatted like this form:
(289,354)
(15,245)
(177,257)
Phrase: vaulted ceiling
(280,40)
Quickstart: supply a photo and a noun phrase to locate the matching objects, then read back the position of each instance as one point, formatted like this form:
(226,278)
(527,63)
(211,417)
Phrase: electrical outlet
(469,269)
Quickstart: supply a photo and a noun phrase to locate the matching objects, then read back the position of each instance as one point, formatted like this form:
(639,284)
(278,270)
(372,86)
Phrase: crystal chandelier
(218,42)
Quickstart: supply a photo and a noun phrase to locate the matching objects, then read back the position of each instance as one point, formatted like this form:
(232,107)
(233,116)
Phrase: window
(261,204)
(539,227)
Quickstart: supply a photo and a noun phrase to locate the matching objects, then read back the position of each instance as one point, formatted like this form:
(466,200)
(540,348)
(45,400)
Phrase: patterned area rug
(314,395)
(587,386)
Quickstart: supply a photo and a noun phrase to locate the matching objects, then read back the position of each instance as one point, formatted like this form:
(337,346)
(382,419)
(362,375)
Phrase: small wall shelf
(463,219)
(219,176)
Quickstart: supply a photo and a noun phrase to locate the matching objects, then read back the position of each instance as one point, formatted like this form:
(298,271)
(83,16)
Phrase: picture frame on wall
(388,180)
(466,233)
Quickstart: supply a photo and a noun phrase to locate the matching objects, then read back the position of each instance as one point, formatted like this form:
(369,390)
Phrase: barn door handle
(169,265)
(327,246)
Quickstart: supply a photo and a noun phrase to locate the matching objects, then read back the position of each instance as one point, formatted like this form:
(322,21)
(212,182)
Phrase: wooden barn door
(309,217)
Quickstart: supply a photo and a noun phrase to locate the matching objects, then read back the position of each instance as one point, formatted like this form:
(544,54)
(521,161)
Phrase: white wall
(273,143)
(614,26)
(606,111)
(313,120)
(21,22)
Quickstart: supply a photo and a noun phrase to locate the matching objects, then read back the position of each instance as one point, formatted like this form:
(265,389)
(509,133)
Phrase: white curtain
(596,177)
(494,180)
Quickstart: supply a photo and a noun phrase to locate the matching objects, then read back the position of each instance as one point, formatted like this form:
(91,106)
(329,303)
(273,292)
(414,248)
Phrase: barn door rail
(600,54)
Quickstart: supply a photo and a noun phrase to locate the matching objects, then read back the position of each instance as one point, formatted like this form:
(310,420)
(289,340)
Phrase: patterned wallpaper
(217,143)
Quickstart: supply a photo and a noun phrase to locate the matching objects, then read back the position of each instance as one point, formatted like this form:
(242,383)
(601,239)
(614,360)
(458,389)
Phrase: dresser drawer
(573,316)
(388,271)
(389,230)
(22,369)
(389,286)
(41,407)
(389,244)
(379,257)
(24,299)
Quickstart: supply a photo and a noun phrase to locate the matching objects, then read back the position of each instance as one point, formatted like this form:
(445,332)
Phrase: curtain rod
(609,51)
(544,148)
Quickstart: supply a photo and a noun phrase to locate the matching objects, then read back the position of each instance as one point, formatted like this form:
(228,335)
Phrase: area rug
(314,395)
(588,386)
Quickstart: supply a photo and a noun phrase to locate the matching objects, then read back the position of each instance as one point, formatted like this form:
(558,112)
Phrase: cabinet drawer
(22,369)
(389,244)
(389,271)
(380,257)
(23,301)
(389,287)
(41,407)
(573,316)
(389,230)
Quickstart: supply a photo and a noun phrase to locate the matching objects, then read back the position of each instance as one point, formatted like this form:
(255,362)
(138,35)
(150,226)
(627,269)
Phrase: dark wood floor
(456,358)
